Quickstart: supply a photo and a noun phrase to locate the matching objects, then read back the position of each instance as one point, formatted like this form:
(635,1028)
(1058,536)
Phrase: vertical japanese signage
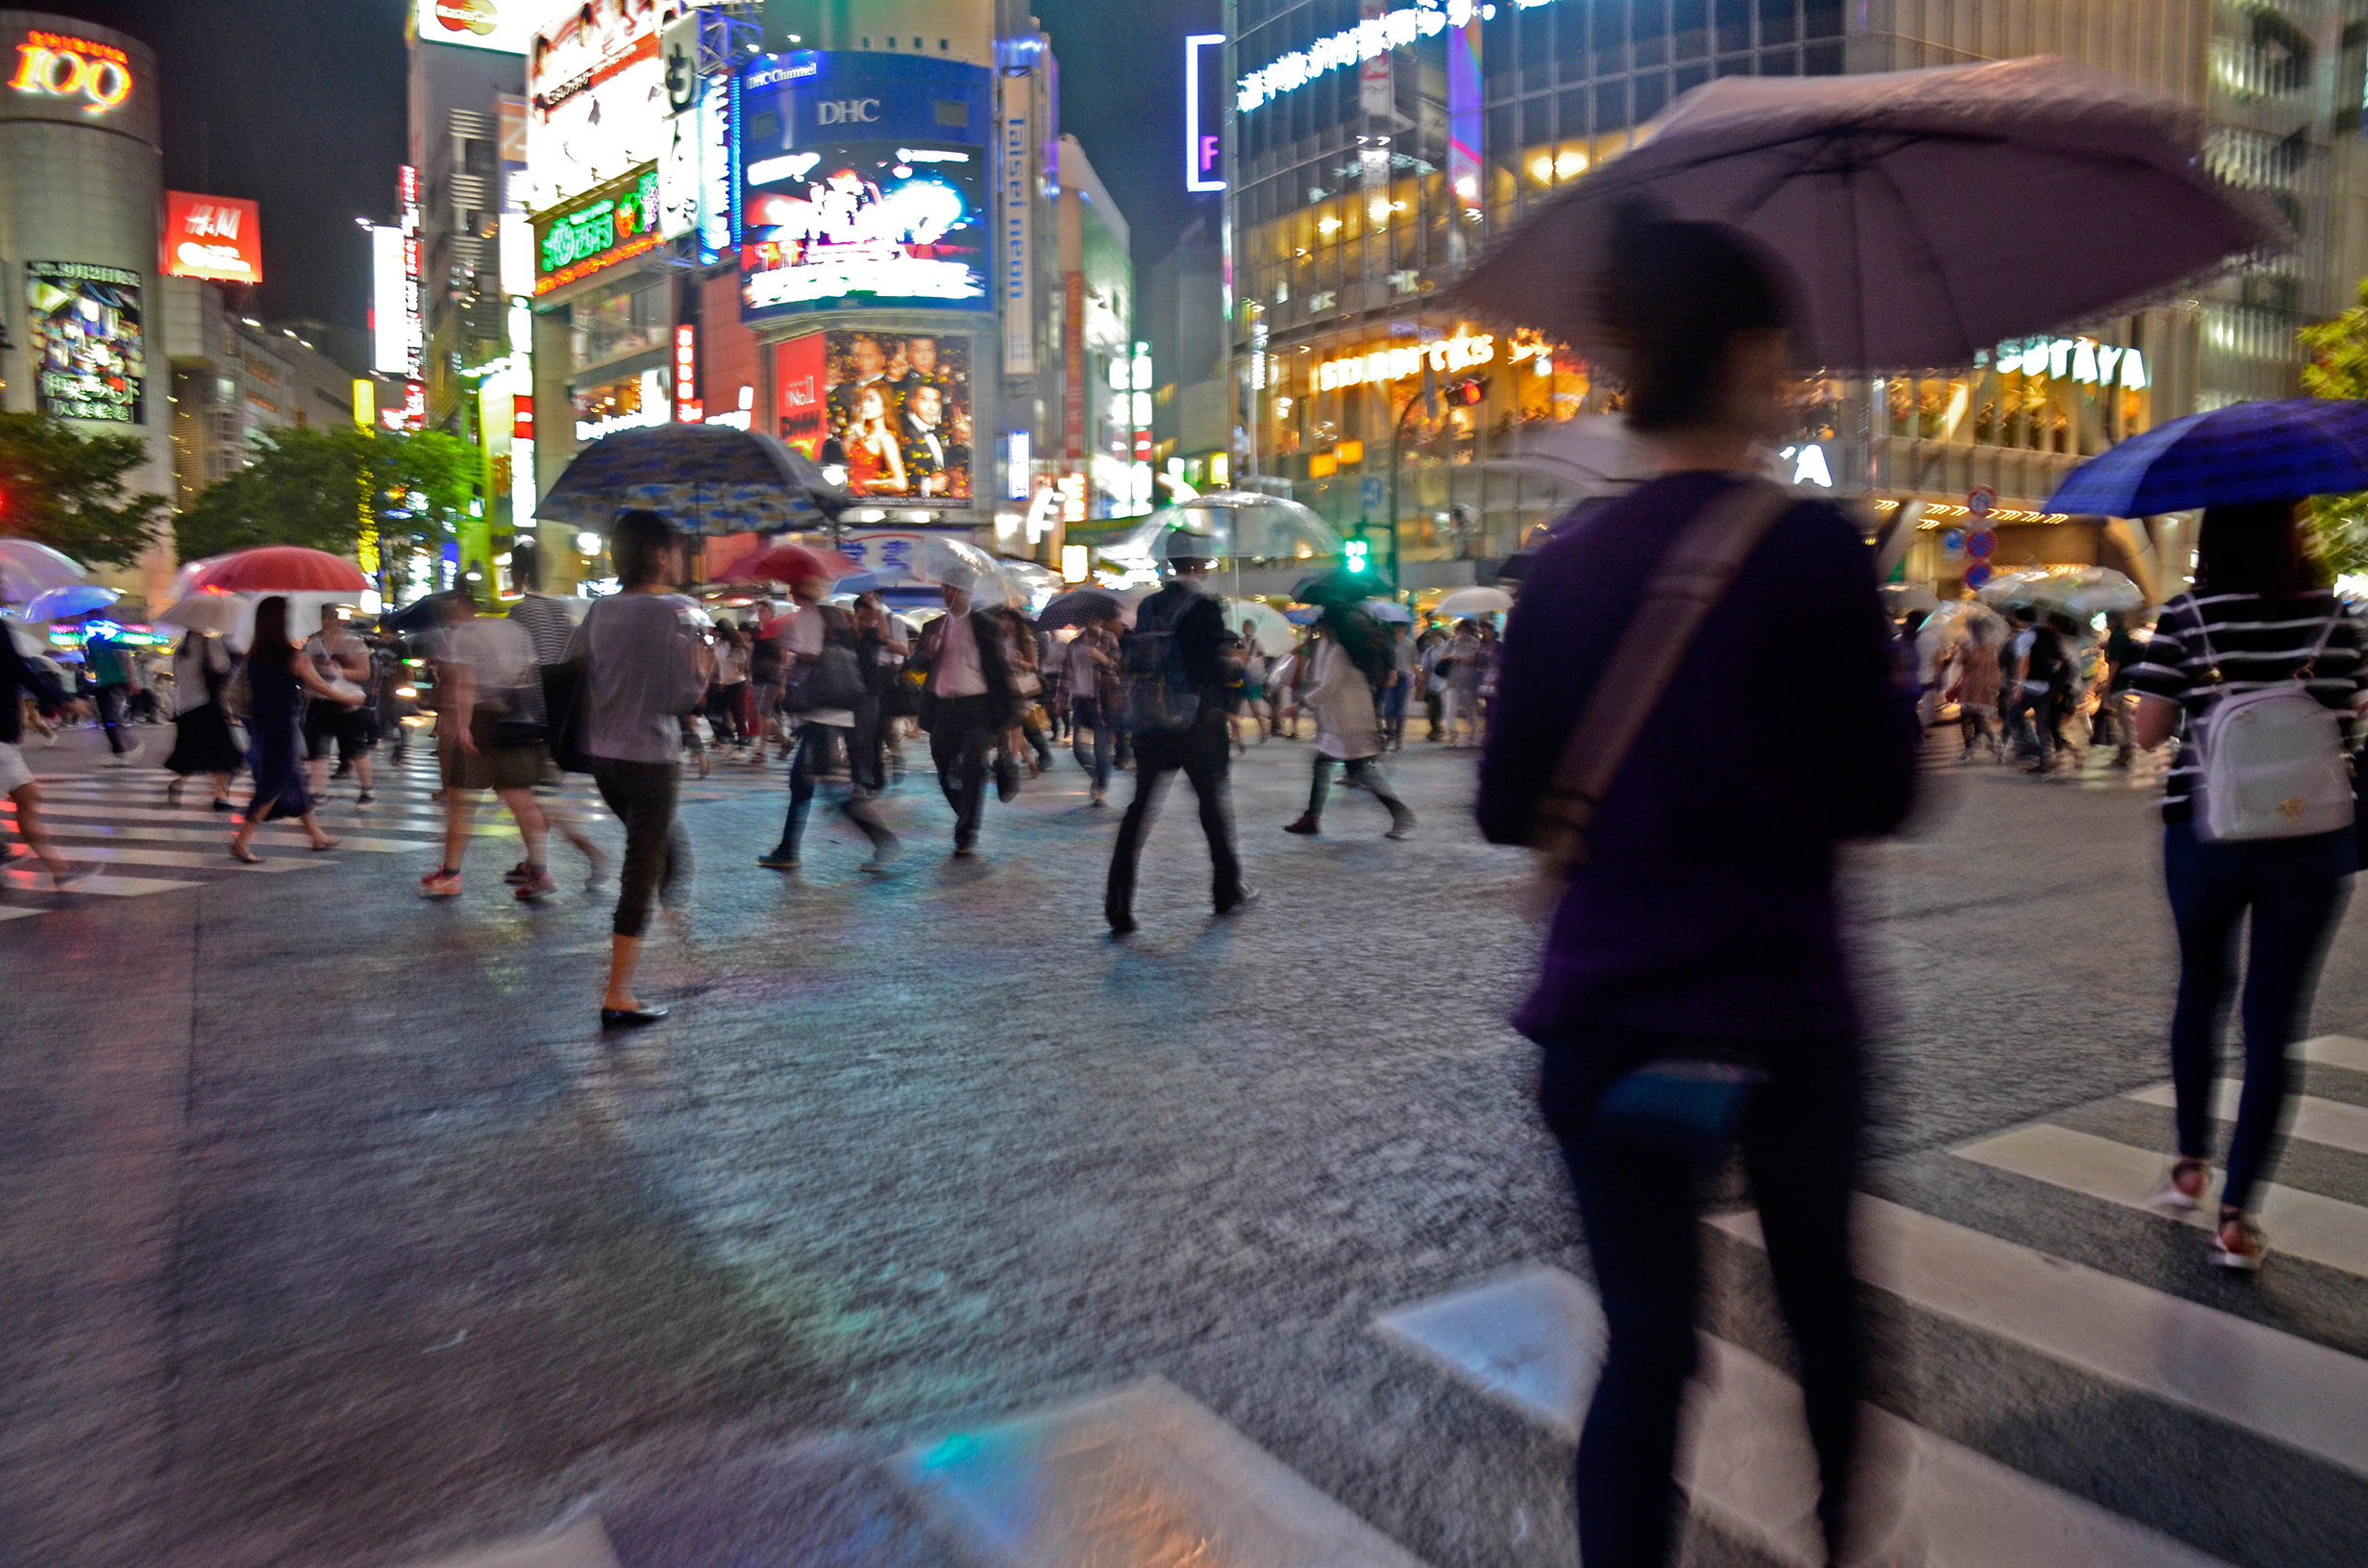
(1204,110)
(678,165)
(688,410)
(1464,110)
(1016,244)
(388,355)
(1073,378)
(414,305)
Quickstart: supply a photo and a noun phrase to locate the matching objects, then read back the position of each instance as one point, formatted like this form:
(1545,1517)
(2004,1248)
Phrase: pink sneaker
(440,884)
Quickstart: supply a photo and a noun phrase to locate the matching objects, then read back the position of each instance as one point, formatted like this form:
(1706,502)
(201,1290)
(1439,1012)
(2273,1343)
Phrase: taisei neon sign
(56,66)
(1372,37)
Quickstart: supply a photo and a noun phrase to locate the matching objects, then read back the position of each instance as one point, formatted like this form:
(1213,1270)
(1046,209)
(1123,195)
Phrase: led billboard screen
(596,98)
(609,224)
(863,183)
(220,238)
(88,349)
(892,408)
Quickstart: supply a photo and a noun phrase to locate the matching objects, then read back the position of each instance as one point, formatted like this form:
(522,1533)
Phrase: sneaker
(1402,829)
(1101,797)
(779,860)
(535,885)
(1241,901)
(1306,827)
(883,853)
(2238,1244)
(440,884)
(364,798)
(2181,1187)
(518,873)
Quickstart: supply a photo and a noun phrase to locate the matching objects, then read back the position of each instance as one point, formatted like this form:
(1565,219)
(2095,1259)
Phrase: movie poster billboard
(871,225)
(596,98)
(893,409)
(88,351)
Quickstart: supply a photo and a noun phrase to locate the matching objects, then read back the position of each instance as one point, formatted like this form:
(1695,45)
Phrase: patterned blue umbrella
(2280,451)
(705,478)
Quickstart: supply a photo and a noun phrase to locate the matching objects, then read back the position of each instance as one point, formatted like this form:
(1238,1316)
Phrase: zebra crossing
(118,824)
(1126,1474)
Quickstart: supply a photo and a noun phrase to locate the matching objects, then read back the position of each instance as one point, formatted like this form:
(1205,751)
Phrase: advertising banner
(863,183)
(1017,243)
(389,343)
(505,26)
(88,352)
(606,226)
(894,411)
(220,238)
(596,92)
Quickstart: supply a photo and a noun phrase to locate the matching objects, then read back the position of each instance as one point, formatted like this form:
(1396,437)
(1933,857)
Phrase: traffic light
(1470,392)
(1359,554)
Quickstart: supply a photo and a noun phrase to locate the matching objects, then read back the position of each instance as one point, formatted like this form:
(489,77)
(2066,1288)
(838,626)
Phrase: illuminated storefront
(81,196)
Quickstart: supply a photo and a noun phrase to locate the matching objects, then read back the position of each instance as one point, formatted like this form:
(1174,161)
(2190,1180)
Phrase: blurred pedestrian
(644,665)
(1095,700)
(202,738)
(2121,656)
(491,738)
(1250,695)
(1025,738)
(1347,728)
(340,659)
(767,664)
(22,682)
(1465,665)
(881,650)
(1974,664)
(278,684)
(1175,667)
(728,698)
(968,700)
(825,686)
(2256,620)
(1694,946)
(109,667)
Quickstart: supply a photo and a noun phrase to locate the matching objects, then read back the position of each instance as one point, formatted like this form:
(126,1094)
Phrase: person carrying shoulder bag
(2261,669)
(1693,996)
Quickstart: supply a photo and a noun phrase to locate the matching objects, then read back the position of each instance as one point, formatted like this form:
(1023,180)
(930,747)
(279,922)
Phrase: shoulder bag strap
(1692,578)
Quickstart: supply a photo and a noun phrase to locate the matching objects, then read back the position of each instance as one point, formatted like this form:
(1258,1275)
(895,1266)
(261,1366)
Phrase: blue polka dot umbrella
(704,478)
(2277,450)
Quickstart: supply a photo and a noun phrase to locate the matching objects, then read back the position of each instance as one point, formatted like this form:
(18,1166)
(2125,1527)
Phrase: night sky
(299,104)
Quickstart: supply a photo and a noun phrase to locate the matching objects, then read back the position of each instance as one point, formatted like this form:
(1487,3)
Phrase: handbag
(563,689)
(1679,1105)
(833,679)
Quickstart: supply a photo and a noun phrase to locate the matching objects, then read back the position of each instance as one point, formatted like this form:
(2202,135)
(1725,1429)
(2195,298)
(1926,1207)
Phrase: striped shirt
(2257,642)
(548,622)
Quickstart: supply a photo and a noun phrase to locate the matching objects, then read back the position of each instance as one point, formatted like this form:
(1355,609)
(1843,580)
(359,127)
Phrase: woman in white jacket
(1347,731)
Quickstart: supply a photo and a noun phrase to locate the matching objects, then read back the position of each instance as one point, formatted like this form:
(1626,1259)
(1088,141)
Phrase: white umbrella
(28,569)
(1273,635)
(967,566)
(2082,591)
(1240,523)
(1466,601)
(65,603)
(205,612)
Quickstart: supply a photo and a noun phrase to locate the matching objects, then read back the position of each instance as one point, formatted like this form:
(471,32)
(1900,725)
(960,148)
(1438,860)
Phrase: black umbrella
(1078,607)
(705,478)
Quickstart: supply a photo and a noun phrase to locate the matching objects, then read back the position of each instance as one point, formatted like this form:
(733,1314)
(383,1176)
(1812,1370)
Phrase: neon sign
(1353,46)
(57,66)
(614,222)
(1394,364)
(1203,147)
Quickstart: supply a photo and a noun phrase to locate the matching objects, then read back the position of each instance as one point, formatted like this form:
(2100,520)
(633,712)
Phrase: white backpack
(2271,761)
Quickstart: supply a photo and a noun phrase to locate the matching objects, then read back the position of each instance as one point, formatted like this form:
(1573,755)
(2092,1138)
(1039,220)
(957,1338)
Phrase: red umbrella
(791,563)
(283,569)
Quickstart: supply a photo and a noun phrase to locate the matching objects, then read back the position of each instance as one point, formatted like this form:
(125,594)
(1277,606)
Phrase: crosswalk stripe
(2305,1225)
(1140,1474)
(270,836)
(2314,1120)
(184,860)
(99,886)
(1534,1342)
(2337,1051)
(2286,1388)
(12,913)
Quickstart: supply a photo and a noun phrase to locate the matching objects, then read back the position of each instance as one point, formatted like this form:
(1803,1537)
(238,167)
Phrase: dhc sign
(847,112)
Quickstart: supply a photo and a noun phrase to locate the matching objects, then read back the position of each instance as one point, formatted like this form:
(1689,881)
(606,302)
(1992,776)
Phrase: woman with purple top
(1703,926)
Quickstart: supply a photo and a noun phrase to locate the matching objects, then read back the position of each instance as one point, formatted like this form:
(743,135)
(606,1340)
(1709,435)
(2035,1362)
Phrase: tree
(67,490)
(314,488)
(2339,369)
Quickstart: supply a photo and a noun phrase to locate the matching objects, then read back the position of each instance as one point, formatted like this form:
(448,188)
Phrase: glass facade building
(1365,180)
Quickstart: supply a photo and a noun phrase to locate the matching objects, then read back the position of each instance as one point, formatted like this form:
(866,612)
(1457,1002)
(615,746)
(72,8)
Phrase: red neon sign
(59,65)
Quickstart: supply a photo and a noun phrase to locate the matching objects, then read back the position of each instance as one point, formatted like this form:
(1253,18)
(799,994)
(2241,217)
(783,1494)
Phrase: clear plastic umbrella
(27,569)
(2080,591)
(1274,634)
(1466,601)
(966,566)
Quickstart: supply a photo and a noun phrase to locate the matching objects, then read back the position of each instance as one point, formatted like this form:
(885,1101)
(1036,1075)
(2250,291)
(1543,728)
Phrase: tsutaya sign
(2074,358)
(1373,37)
(1397,364)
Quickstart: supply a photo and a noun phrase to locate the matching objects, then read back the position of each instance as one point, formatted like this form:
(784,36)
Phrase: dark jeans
(1365,770)
(1434,709)
(1084,714)
(723,710)
(1206,755)
(2295,888)
(818,747)
(1642,1211)
(110,703)
(657,851)
(961,731)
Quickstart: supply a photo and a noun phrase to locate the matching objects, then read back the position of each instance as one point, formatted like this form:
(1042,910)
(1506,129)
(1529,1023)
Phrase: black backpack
(1161,698)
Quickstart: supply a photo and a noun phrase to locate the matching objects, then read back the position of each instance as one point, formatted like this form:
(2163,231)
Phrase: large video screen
(88,352)
(895,409)
(875,224)
(596,98)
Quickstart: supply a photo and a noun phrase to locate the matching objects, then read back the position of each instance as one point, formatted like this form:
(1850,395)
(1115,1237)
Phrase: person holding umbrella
(2258,650)
(202,740)
(278,682)
(1695,944)
(967,698)
(1351,658)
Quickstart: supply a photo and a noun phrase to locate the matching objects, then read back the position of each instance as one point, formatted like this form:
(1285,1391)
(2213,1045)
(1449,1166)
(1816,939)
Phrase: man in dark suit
(967,700)
(926,455)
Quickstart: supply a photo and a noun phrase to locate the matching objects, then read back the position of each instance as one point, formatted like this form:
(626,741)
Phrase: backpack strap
(1692,578)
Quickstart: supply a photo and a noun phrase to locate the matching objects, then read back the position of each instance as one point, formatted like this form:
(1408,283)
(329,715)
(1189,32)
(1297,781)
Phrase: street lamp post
(1397,469)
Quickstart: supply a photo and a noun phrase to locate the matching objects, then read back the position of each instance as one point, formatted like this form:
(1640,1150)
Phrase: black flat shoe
(629,1017)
